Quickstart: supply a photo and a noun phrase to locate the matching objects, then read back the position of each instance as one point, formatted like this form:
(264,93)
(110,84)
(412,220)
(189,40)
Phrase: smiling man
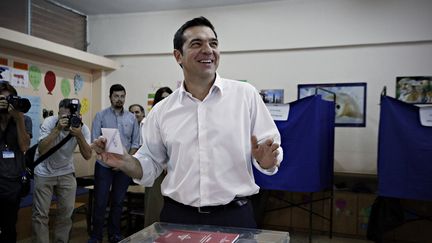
(207,134)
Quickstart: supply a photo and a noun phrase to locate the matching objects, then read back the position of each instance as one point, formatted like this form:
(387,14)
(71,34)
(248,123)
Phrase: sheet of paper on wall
(425,113)
(279,112)
(114,143)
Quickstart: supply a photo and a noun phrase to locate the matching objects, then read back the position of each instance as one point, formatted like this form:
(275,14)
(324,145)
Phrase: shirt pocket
(127,129)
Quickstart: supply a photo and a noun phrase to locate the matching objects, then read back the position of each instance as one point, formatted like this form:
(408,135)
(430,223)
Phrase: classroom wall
(281,44)
(87,94)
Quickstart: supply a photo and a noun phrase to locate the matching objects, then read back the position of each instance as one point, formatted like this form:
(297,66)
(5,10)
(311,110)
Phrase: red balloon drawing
(50,81)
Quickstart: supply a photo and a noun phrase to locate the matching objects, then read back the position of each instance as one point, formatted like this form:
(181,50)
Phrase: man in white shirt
(207,134)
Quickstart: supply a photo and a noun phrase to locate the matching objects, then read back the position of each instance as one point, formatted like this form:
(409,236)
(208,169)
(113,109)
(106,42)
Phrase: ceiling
(96,7)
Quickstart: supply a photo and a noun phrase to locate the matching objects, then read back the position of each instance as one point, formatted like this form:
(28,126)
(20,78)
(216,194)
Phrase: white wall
(279,45)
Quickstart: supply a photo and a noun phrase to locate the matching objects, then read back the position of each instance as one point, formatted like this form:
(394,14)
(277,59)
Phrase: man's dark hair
(139,106)
(67,103)
(199,21)
(116,87)
(5,85)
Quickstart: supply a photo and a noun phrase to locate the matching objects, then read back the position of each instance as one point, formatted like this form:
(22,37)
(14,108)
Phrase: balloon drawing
(35,77)
(78,83)
(65,87)
(85,105)
(50,81)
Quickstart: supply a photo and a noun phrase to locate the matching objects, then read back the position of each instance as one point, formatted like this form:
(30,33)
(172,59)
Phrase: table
(152,232)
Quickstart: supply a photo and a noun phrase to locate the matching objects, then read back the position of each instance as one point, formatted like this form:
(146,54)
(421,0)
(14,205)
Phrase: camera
(74,118)
(20,104)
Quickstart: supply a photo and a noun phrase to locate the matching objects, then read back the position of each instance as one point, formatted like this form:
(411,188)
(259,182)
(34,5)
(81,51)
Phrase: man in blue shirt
(107,177)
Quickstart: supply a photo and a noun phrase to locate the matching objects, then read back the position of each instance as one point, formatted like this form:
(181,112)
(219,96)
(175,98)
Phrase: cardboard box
(300,216)
(344,213)
(281,218)
(364,205)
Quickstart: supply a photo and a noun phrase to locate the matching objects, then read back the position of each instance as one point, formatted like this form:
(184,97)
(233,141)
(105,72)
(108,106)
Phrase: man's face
(200,58)
(117,99)
(137,112)
(63,112)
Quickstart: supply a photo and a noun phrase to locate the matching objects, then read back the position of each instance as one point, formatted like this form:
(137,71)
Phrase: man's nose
(206,48)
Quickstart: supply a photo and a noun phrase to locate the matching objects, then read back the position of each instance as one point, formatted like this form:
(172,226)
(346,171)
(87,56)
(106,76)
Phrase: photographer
(15,134)
(56,173)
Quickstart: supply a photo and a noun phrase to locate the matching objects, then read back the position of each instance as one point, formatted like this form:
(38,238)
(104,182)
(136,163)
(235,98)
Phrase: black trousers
(8,220)
(234,215)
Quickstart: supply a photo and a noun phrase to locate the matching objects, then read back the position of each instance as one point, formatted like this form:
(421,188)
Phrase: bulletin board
(45,83)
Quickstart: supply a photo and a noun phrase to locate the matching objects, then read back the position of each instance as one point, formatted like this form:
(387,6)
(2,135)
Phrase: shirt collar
(218,84)
(121,112)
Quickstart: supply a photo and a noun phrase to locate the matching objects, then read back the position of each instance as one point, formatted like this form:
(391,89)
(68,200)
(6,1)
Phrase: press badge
(7,154)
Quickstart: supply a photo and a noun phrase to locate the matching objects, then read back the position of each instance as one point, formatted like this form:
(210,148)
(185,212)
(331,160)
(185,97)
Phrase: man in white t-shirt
(56,174)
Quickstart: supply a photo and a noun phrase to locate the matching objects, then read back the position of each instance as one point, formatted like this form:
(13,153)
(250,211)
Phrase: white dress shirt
(206,145)
(142,133)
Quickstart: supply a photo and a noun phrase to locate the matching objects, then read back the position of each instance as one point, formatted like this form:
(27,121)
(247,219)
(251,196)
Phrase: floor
(79,235)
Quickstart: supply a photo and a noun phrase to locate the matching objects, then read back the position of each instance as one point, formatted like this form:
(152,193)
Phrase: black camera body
(74,118)
(20,104)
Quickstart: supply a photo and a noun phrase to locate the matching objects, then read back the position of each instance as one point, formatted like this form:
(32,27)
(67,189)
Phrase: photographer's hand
(23,136)
(3,103)
(76,132)
(84,147)
(62,123)
(17,115)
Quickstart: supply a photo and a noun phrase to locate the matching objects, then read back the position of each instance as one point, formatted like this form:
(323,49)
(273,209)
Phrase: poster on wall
(4,73)
(19,78)
(350,107)
(272,96)
(415,89)
(35,114)
(150,99)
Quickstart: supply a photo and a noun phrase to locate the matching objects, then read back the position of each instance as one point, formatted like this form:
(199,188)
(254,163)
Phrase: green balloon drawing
(35,77)
(65,87)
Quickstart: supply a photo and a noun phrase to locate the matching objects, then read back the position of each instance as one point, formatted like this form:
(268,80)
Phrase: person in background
(56,174)
(161,94)
(139,113)
(153,197)
(15,135)
(106,177)
(207,134)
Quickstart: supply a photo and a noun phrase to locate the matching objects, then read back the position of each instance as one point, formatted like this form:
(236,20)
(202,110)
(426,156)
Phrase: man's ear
(178,56)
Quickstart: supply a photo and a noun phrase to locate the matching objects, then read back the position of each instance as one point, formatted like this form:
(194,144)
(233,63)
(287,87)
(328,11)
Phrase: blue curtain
(404,152)
(307,138)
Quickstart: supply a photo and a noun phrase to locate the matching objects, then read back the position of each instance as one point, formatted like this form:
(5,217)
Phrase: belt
(236,202)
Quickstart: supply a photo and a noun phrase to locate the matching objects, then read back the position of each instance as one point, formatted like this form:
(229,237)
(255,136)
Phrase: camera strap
(52,150)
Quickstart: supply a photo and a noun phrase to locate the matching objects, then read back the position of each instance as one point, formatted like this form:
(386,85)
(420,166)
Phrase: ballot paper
(113,143)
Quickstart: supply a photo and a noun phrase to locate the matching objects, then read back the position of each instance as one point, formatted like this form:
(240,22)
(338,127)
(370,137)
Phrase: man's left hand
(265,153)
(75,131)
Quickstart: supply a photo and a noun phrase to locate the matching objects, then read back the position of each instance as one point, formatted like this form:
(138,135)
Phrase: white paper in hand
(114,143)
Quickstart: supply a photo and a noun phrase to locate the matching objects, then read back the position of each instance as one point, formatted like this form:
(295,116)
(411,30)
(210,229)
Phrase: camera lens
(75,121)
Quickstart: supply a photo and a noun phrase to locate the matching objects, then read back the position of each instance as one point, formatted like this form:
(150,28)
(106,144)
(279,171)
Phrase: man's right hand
(62,123)
(111,159)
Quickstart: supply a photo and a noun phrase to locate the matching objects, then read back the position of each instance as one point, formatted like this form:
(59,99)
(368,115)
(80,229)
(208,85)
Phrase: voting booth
(307,139)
